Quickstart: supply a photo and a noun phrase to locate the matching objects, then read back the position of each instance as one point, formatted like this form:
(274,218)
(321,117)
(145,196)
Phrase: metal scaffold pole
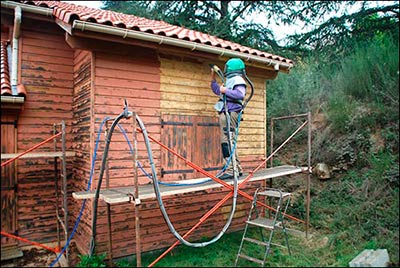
(136,194)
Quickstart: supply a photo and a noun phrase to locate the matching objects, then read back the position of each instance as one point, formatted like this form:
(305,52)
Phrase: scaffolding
(308,195)
(59,153)
(61,190)
(136,194)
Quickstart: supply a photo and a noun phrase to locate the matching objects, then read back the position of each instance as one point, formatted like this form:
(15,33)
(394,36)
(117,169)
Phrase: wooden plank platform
(38,155)
(125,194)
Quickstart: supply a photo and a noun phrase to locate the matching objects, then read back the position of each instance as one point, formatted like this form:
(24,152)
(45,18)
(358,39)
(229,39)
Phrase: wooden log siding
(46,70)
(8,179)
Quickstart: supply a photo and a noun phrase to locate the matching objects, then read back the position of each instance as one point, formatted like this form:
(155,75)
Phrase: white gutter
(12,99)
(14,55)
(124,33)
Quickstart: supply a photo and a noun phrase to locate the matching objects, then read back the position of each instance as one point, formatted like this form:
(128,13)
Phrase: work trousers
(225,139)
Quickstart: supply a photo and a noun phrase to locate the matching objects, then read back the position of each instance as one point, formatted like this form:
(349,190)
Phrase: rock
(377,142)
(322,171)
(371,258)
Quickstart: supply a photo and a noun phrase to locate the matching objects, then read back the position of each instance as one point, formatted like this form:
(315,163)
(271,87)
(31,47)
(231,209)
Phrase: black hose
(125,114)
(251,92)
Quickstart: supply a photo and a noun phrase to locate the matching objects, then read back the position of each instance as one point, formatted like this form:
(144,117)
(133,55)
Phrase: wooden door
(8,180)
(194,137)
(177,133)
(207,147)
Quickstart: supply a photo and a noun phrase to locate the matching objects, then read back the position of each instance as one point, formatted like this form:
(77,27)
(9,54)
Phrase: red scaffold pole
(55,250)
(31,149)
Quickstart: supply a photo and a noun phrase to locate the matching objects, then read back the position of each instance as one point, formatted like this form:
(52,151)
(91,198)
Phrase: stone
(371,258)
(322,171)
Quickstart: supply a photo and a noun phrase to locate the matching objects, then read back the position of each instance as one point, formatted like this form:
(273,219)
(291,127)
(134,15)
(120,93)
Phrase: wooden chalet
(65,62)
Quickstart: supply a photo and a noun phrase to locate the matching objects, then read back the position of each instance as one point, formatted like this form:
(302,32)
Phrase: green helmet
(234,65)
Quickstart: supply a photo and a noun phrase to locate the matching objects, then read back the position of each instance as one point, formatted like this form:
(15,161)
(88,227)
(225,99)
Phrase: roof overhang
(124,33)
(127,33)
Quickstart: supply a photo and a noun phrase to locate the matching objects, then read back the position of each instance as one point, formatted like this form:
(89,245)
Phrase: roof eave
(127,33)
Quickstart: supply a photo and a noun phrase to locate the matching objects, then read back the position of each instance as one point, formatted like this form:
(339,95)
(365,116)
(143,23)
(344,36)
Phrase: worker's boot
(228,174)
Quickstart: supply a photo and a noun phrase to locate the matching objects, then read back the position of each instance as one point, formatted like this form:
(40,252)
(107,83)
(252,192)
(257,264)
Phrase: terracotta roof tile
(68,12)
(5,74)
(6,89)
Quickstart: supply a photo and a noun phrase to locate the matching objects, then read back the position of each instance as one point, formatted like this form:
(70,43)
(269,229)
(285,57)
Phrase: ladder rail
(253,205)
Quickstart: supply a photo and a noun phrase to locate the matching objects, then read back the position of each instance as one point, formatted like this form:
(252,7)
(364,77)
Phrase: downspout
(15,48)
(124,33)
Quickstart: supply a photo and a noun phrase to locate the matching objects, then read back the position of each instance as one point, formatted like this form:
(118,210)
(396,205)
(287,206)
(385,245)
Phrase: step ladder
(266,221)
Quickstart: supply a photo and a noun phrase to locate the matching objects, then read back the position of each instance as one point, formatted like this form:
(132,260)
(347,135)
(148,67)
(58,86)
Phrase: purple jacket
(237,93)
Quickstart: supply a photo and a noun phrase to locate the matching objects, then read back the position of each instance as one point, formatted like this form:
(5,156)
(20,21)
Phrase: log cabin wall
(46,70)
(82,88)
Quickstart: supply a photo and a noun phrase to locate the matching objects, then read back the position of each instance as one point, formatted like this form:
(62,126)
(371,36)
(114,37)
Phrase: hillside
(355,107)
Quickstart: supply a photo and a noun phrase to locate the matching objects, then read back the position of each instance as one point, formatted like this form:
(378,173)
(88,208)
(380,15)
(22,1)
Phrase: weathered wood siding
(8,179)
(134,77)
(82,143)
(46,70)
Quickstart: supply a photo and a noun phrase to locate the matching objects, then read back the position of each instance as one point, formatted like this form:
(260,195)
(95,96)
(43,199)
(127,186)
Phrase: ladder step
(251,259)
(265,223)
(255,241)
(274,193)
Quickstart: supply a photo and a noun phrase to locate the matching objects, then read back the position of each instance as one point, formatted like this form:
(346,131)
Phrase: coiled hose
(161,204)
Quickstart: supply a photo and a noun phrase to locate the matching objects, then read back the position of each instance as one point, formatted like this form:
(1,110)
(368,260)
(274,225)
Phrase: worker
(235,91)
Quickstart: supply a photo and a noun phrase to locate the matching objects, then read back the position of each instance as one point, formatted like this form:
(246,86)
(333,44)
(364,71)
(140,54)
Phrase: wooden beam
(66,26)
(38,155)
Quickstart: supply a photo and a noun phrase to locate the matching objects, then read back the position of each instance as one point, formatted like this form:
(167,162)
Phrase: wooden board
(123,194)
(38,155)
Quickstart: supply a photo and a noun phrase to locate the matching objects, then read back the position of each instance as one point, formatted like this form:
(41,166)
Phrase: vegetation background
(347,76)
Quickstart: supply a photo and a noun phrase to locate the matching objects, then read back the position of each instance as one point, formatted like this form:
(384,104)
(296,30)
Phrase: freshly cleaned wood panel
(185,90)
